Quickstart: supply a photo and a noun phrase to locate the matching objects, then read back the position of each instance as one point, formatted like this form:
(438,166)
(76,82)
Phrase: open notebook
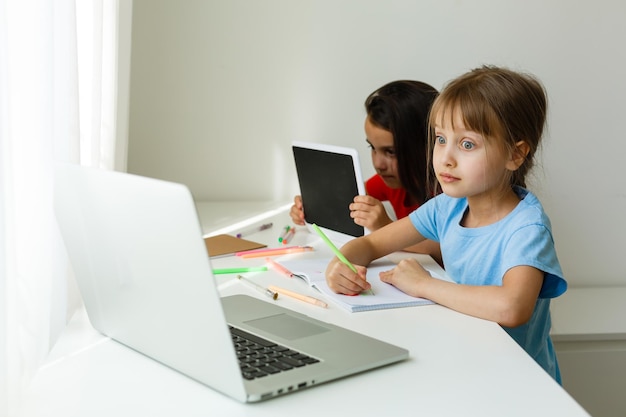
(382,296)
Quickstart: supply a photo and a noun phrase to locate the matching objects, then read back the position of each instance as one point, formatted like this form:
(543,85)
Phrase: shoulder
(530,210)
(439,211)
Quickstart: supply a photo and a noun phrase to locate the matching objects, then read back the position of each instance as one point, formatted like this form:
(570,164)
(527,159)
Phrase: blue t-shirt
(482,255)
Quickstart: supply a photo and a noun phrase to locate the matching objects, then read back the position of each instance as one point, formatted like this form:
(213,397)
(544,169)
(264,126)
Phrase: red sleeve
(376,188)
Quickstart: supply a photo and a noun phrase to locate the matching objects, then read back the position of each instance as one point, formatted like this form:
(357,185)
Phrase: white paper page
(383,293)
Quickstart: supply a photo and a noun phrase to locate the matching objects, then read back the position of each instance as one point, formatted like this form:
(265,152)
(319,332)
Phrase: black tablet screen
(327,185)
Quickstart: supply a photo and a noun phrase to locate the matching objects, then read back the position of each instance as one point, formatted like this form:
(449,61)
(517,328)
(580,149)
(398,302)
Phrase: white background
(219,89)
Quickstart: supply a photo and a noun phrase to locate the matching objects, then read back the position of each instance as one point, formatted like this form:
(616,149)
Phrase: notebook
(329,178)
(223,244)
(142,268)
(382,296)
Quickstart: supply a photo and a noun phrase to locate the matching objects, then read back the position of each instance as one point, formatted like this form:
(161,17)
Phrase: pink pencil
(257,253)
(278,267)
(245,252)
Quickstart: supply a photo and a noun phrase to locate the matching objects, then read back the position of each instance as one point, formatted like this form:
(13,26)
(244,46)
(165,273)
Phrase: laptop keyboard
(259,357)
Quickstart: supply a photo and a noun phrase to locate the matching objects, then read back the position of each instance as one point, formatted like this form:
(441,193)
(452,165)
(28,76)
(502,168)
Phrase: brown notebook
(226,244)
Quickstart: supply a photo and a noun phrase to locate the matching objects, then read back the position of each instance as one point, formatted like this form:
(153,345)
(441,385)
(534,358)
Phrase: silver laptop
(141,264)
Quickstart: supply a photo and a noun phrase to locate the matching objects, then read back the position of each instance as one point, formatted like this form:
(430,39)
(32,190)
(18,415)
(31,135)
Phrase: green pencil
(331,245)
(239,270)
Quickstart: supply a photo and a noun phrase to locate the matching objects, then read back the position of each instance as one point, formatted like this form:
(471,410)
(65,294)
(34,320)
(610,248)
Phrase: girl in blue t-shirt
(496,240)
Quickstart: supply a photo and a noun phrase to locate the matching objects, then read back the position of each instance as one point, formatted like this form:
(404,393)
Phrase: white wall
(220,88)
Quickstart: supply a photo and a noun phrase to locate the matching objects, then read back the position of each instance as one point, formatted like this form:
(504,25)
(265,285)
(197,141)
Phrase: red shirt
(377,188)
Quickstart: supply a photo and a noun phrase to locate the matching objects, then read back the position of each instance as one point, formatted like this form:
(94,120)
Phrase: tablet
(329,177)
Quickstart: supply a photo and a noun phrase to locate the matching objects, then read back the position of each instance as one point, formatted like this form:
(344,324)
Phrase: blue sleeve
(424,220)
(533,246)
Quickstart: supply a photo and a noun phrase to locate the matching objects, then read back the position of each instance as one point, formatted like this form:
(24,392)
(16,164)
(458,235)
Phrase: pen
(278,267)
(301,297)
(265,291)
(254,229)
(257,253)
(289,235)
(239,270)
(334,248)
(283,234)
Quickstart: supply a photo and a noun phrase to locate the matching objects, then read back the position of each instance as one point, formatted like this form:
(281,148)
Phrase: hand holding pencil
(342,280)
(338,278)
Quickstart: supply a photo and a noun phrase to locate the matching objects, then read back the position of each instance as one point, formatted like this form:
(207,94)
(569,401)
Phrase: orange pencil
(301,297)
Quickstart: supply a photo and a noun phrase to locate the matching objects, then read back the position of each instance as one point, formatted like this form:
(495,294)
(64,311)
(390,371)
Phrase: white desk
(459,366)
(225,216)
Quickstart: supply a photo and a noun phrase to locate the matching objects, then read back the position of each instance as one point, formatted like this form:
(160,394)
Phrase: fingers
(366,203)
(297,211)
(369,212)
(410,264)
(386,276)
(408,276)
(341,279)
(297,215)
(366,199)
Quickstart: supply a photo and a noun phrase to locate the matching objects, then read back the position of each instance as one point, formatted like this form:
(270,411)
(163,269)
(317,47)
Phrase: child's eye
(440,140)
(467,145)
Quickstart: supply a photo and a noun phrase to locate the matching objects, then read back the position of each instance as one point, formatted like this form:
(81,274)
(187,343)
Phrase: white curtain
(58,85)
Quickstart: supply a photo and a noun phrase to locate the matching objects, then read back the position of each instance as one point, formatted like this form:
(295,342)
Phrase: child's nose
(446,155)
(379,161)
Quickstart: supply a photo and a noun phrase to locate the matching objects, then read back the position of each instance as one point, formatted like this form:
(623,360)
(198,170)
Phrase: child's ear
(518,156)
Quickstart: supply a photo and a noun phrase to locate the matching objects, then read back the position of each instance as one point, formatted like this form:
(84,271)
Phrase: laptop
(137,252)
(329,177)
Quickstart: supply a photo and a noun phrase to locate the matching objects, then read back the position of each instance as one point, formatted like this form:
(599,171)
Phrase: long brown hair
(402,107)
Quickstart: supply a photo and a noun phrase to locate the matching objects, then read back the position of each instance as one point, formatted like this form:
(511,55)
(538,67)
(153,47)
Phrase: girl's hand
(407,276)
(369,212)
(297,211)
(342,280)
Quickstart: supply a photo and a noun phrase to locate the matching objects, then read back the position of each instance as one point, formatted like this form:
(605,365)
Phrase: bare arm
(428,247)
(370,212)
(362,251)
(510,305)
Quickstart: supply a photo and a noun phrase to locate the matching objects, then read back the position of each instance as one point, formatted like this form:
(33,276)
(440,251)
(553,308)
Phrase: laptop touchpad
(286,326)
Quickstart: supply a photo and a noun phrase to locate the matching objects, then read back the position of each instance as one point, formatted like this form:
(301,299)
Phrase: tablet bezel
(347,177)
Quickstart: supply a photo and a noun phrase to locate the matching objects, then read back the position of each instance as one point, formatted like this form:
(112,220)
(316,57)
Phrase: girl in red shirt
(396,129)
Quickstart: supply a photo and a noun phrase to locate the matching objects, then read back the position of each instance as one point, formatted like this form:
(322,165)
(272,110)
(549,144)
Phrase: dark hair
(497,103)
(402,107)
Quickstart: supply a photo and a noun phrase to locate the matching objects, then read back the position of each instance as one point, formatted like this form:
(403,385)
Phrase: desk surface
(458,366)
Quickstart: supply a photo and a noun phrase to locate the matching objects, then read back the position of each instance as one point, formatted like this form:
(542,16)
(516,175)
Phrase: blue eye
(440,140)
(467,145)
